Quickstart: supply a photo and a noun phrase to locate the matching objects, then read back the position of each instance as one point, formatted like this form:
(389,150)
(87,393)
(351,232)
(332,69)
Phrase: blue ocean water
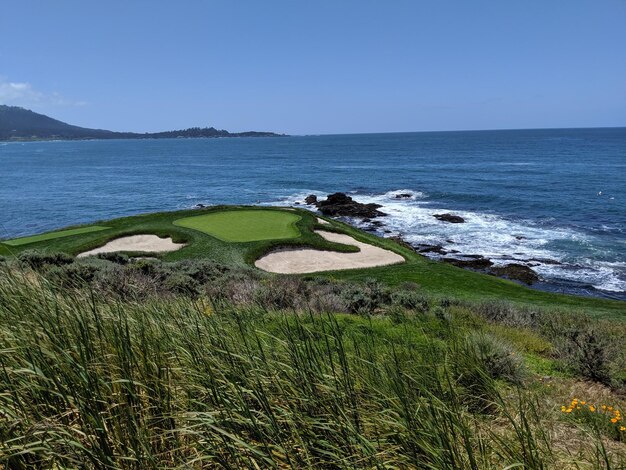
(532,196)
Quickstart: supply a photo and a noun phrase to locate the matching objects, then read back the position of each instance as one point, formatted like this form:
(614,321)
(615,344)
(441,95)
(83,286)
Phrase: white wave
(492,236)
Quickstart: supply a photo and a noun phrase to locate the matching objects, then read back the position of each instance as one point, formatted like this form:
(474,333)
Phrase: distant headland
(19,124)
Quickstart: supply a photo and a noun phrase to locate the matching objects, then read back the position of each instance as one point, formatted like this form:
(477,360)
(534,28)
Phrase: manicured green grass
(53,235)
(245,225)
(435,278)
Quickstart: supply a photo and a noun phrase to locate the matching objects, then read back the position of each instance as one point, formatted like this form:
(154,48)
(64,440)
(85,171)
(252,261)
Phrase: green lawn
(245,225)
(53,235)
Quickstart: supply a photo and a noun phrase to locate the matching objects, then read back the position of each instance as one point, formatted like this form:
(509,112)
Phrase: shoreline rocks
(451,218)
(342,205)
(515,272)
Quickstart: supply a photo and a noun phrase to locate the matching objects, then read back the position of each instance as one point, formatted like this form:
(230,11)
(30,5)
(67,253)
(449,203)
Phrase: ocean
(554,199)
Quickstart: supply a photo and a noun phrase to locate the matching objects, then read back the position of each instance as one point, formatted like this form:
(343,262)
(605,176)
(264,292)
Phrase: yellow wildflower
(592,408)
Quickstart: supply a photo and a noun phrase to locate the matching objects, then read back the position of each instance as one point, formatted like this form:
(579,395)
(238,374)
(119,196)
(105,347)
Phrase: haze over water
(535,196)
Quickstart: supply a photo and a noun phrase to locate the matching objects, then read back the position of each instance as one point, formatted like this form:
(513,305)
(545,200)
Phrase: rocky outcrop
(451,218)
(516,272)
(310,199)
(403,196)
(471,262)
(342,205)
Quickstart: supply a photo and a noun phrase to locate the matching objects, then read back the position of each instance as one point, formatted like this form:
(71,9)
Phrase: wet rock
(342,205)
(545,261)
(472,263)
(451,218)
(431,249)
(310,199)
(200,206)
(403,196)
(516,272)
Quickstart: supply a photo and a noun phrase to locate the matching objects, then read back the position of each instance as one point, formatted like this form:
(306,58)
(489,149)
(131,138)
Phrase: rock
(339,204)
(473,263)
(387,231)
(545,261)
(431,249)
(200,206)
(296,203)
(310,199)
(447,217)
(516,272)
(403,196)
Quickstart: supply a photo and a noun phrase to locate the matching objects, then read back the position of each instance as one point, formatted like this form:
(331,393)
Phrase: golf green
(245,225)
(53,235)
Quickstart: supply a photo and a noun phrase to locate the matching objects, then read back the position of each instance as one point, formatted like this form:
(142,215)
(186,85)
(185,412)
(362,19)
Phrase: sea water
(554,199)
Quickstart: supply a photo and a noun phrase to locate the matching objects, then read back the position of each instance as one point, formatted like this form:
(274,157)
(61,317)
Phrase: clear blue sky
(307,67)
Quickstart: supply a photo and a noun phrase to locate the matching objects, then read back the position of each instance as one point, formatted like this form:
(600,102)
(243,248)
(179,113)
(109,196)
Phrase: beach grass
(245,225)
(53,235)
(91,382)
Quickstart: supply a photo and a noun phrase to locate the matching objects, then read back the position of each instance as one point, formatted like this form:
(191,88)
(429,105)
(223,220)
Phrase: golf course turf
(53,235)
(245,225)
(239,235)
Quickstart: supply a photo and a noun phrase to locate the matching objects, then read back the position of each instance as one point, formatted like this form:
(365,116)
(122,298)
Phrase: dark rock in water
(310,199)
(296,203)
(403,196)
(447,217)
(517,272)
(339,204)
(200,206)
(474,263)
(431,249)
(545,261)
(520,237)
(387,231)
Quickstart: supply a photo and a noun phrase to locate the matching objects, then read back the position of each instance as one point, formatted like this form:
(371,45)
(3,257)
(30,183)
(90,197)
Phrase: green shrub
(496,357)
(366,298)
(412,300)
(117,258)
(38,260)
(588,352)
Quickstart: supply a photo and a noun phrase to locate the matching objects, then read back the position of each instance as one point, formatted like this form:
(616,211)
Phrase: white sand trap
(323,222)
(147,243)
(308,260)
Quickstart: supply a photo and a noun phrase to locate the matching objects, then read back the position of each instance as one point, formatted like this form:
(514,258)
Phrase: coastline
(503,265)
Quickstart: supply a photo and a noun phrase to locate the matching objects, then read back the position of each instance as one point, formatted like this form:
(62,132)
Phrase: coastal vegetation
(193,358)
(435,278)
(19,124)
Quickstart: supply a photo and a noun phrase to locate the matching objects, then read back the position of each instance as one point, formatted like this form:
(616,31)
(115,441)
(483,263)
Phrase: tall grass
(92,382)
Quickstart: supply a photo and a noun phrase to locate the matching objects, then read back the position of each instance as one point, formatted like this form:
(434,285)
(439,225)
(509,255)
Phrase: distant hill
(23,125)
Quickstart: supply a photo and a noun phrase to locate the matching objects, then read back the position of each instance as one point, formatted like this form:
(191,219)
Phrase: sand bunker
(323,222)
(308,260)
(146,243)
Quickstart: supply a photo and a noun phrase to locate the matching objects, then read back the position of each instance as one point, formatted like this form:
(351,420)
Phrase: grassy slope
(436,278)
(194,385)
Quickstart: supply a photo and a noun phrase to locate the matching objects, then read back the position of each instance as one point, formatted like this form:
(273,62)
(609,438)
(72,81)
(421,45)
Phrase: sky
(317,67)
